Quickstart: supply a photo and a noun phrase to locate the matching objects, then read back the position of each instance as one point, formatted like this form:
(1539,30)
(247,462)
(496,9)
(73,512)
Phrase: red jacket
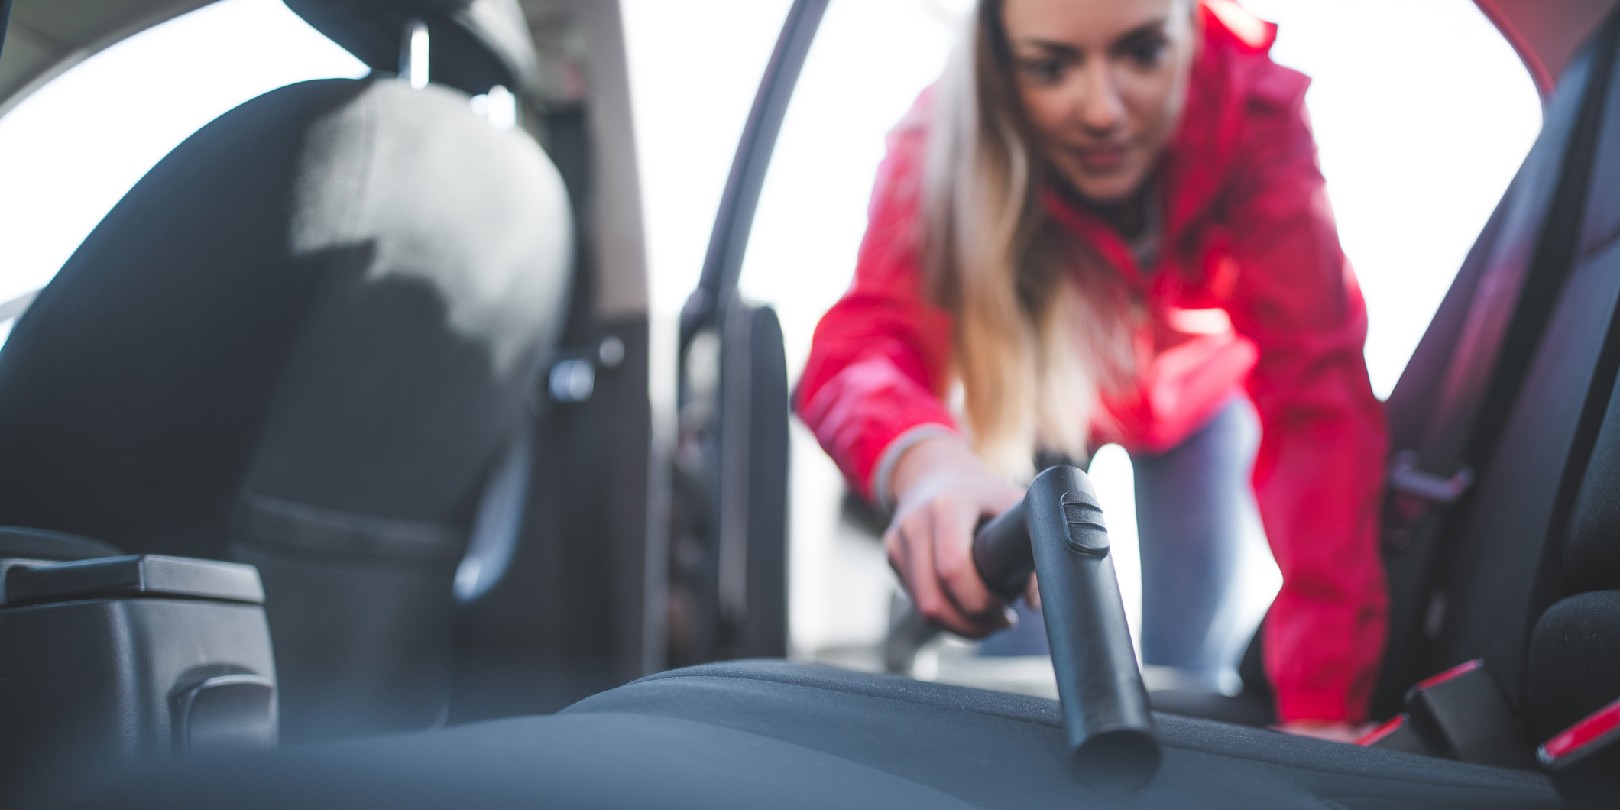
(1252,292)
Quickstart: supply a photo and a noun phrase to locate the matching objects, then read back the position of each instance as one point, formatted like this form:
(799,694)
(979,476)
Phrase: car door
(729,531)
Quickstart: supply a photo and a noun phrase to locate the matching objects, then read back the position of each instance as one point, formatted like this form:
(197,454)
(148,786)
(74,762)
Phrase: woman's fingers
(953,563)
(913,538)
(941,490)
(928,548)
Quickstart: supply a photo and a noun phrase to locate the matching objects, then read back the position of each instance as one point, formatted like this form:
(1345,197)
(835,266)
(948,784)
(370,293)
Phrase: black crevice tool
(1057,531)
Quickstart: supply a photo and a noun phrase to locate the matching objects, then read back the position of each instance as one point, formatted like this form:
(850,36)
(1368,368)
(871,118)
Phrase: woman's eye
(1046,70)
(1146,52)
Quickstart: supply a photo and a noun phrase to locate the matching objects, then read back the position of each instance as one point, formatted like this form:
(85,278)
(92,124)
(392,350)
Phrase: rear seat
(1509,557)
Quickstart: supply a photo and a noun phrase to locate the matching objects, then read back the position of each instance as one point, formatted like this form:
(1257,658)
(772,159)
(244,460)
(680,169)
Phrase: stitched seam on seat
(341,531)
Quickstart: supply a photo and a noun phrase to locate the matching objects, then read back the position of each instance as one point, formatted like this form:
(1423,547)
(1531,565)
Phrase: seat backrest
(1510,548)
(303,340)
(1574,665)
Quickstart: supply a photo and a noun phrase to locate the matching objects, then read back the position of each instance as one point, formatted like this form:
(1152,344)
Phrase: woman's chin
(1104,190)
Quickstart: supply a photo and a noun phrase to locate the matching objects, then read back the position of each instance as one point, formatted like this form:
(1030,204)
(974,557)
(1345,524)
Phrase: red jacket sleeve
(1319,469)
(879,359)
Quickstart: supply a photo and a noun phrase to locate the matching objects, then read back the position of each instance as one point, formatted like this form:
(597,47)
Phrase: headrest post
(413,54)
(476,44)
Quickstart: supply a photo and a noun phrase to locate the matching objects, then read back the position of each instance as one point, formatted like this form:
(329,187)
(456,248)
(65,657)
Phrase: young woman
(1106,223)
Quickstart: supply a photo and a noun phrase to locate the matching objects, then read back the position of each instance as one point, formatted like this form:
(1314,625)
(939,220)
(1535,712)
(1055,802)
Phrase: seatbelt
(1493,353)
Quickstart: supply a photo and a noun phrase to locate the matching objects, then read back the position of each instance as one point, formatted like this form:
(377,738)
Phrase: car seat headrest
(473,44)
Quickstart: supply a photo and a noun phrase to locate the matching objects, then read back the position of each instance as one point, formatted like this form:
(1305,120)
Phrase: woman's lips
(1101,158)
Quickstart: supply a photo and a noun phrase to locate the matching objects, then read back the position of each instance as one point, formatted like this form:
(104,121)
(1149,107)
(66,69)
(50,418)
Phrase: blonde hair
(1042,326)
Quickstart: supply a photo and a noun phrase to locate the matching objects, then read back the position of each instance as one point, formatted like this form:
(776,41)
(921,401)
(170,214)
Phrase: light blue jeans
(1196,517)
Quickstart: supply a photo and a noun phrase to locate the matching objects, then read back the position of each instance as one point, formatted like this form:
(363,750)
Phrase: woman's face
(1102,83)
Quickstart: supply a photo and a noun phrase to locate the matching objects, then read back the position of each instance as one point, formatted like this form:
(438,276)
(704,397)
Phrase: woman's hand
(941,492)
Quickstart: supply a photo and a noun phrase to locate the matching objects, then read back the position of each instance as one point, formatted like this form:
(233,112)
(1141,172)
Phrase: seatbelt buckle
(1406,478)
(1396,735)
(1462,714)
(1584,760)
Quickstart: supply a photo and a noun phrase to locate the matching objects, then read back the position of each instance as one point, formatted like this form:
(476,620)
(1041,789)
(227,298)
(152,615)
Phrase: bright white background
(69,151)
(1422,114)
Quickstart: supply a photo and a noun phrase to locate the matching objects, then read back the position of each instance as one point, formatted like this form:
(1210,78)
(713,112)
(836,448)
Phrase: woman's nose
(1098,105)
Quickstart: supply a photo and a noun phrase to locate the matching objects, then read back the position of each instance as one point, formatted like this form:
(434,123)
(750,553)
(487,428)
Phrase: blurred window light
(70,150)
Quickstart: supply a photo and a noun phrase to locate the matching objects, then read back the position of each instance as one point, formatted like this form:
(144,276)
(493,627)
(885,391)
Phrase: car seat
(304,340)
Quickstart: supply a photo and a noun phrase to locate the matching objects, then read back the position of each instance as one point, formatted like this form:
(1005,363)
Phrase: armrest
(128,659)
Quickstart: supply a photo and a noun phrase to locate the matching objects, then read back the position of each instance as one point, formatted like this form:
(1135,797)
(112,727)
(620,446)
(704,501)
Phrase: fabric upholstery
(782,735)
(1574,661)
(998,750)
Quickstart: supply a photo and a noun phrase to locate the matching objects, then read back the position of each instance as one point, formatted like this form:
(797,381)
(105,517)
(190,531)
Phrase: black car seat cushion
(1574,661)
(771,734)
(997,750)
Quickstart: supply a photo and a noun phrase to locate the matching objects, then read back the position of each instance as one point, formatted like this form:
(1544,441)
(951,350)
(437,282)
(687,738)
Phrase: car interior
(343,464)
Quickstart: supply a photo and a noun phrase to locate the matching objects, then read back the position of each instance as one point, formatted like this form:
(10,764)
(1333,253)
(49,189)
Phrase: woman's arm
(879,357)
(1319,469)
